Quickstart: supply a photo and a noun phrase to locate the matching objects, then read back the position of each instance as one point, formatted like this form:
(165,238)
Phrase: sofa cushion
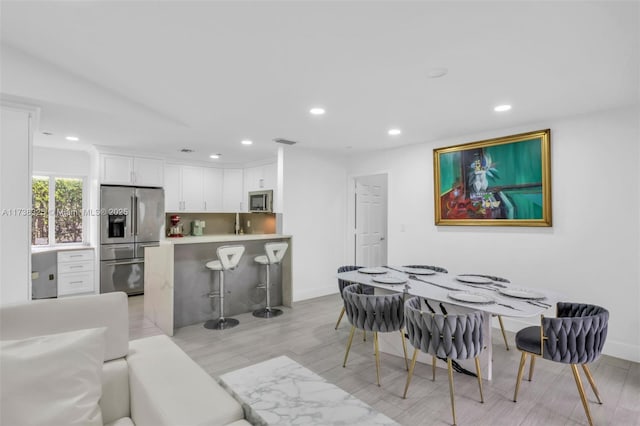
(50,316)
(169,388)
(53,379)
(115,390)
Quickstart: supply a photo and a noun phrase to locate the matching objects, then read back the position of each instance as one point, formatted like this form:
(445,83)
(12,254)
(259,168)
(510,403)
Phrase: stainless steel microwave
(261,201)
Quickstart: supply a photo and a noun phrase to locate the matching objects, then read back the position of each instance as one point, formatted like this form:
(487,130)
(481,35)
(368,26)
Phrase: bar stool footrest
(267,313)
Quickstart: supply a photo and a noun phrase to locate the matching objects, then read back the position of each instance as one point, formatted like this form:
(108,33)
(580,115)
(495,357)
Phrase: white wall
(314,212)
(590,254)
(15,203)
(64,162)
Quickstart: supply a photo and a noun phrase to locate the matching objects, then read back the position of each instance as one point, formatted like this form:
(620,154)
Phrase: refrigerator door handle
(131,216)
(136,203)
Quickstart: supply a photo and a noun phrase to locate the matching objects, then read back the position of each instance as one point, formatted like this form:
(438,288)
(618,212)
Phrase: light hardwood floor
(306,334)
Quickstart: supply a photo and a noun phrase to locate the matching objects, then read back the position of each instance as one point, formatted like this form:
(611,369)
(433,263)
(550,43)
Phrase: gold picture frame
(504,181)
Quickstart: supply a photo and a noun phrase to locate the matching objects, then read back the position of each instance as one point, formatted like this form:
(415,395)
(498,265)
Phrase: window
(57,216)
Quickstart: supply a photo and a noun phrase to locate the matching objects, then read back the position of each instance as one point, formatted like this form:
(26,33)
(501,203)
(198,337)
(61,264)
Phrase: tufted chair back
(369,312)
(577,335)
(343,283)
(445,336)
(433,268)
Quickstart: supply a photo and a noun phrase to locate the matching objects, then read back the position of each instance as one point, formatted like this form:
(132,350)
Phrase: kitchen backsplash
(224,223)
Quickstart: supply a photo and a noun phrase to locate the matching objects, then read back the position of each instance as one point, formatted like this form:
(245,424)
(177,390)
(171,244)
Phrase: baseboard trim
(311,293)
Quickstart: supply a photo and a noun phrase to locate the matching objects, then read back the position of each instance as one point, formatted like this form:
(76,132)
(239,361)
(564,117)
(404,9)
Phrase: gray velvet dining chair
(343,283)
(377,313)
(433,268)
(444,336)
(491,277)
(575,336)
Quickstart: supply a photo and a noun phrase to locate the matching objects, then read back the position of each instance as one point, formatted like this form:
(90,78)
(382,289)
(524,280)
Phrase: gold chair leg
(583,397)
(404,349)
(591,382)
(531,365)
(523,360)
(479,373)
(433,368)
(375,345)
(410,374)
(353,329)
(504,335)
(340,317)
(453,404)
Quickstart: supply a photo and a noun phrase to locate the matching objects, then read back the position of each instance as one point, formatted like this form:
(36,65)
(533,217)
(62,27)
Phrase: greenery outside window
(57,216)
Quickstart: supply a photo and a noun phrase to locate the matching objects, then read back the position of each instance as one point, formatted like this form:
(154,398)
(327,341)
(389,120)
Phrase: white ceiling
(160,76)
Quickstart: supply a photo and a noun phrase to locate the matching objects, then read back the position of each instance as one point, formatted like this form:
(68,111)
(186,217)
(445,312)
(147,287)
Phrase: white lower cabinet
(75,272)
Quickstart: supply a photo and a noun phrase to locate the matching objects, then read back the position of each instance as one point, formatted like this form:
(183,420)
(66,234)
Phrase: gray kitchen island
(177,283)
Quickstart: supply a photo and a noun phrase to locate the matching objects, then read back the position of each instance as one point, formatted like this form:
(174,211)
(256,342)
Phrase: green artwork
(494,181)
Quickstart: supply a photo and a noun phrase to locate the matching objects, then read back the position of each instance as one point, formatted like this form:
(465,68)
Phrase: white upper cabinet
(193,189)
(172,188)
(259,178)
(126,170)
(212,190)
(209,189)
(148,171)
(183,188)
(233,192)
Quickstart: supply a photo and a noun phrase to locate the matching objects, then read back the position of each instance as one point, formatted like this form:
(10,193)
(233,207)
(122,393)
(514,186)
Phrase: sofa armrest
(169,388)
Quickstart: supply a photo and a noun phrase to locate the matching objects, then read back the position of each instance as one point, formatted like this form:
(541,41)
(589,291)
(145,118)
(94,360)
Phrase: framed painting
(497,182)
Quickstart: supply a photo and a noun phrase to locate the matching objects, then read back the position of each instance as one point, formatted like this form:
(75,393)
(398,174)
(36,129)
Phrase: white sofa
(148,381)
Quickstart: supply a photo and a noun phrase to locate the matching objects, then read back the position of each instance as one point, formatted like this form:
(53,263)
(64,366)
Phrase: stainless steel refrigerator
(131,219)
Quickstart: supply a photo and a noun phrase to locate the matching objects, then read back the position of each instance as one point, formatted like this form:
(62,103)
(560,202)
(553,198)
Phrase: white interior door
(371,220)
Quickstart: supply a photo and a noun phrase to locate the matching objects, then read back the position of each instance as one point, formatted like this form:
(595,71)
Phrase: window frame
(52,205)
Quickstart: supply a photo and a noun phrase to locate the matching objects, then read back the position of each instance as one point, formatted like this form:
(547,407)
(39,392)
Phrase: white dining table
(446,290)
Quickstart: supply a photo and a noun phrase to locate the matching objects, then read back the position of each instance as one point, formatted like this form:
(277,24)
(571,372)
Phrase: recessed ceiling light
(316,111)
(437,72)
(502,108)
(72,138)
(215,156)
(247,142)
(394,132)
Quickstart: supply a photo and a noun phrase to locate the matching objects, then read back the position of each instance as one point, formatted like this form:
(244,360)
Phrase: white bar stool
(228,259)
(274,254)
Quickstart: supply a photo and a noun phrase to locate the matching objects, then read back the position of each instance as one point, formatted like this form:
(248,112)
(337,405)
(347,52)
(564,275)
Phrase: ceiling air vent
(284,141)
(186,150)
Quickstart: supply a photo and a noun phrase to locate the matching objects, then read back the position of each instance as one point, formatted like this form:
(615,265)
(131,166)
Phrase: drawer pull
(76,282)
(76,266)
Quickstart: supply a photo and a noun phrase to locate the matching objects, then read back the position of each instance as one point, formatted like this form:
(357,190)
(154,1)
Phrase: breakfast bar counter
(177,283)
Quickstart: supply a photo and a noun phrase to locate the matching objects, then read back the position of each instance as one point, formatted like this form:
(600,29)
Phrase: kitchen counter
(177,284)
(221,238)
(45,249)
